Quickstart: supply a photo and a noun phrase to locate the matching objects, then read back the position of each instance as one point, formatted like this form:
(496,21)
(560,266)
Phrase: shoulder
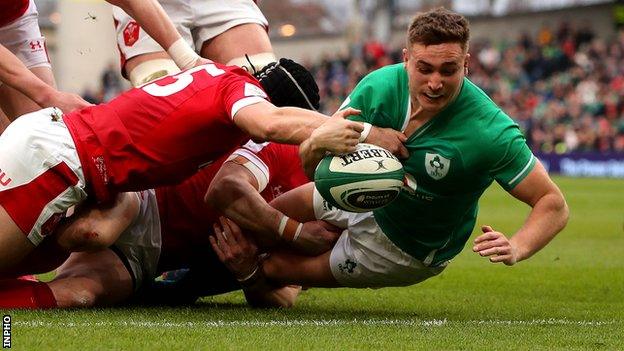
(390,77)
(484,117)
(383,89)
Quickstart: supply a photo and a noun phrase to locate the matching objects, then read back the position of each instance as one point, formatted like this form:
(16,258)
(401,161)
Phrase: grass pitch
(570,296)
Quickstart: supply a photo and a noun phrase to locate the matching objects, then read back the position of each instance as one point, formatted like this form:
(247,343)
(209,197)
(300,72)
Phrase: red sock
(16,293)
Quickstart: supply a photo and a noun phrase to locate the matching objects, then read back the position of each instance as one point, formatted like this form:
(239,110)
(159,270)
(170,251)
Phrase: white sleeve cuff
(244,102)
(255,165)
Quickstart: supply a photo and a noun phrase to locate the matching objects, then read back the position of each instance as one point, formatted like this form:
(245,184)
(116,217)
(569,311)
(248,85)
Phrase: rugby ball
(367,179)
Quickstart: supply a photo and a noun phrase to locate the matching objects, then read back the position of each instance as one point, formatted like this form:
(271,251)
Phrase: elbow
(221,190)
(267,132)
(559,207)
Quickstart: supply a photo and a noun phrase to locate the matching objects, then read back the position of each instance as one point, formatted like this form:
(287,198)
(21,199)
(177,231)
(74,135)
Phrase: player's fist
(496,246)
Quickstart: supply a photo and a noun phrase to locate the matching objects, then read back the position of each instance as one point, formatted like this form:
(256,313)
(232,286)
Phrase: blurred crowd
(564,87)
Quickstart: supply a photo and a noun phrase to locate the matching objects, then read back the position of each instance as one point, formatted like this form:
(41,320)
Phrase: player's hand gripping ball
(361,181)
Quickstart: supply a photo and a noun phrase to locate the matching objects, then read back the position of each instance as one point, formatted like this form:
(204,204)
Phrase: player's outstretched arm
(14,74)
(291,125)
(548,216)
(153,19)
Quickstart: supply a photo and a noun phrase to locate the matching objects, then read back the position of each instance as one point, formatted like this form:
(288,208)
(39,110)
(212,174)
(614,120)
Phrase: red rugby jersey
(162,132)
(186,221)
(10,10)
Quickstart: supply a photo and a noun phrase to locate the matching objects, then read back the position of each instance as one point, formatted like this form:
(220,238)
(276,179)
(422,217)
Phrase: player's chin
(432,104)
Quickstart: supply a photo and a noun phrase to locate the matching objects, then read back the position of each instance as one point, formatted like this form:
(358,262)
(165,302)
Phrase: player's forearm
(290,125)
(239,201)
(15,74)
(547,218)
(95,228)
(310,156)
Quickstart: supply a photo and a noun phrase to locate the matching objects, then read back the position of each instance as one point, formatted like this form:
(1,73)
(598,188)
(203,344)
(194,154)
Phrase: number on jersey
(182,80)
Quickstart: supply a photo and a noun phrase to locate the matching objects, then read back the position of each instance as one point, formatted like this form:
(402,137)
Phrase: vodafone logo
(131,33)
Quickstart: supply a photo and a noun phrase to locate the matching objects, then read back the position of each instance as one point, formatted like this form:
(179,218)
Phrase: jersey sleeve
(240,90)
(381,97)
(510,157)
(359,99)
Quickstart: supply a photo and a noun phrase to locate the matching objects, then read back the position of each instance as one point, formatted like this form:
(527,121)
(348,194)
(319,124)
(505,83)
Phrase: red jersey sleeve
(240,90)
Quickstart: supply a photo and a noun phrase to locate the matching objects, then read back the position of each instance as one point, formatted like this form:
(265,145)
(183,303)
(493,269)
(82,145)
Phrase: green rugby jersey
(453,158)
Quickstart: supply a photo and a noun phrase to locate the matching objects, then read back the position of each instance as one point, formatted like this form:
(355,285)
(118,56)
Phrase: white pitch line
(305,322)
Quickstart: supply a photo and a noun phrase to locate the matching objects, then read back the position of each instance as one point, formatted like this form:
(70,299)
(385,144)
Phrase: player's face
(435,74)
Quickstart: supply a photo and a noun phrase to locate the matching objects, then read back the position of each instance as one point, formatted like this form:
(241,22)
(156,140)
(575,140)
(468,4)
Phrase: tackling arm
(235,193)
(291,125)
(548,216)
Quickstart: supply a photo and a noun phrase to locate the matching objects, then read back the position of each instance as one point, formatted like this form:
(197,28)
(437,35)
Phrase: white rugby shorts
(196,20)
(140,244)
(40,173)
(364,257)
(23,38)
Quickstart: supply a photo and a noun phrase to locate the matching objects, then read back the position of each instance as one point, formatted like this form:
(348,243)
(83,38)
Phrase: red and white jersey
(186,220)
(163,132)
(10,10)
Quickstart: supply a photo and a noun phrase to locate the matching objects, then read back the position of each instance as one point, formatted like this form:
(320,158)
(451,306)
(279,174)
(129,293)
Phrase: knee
(74,295)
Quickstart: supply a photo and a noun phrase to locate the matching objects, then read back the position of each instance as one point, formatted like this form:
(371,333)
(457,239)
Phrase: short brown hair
(438,26)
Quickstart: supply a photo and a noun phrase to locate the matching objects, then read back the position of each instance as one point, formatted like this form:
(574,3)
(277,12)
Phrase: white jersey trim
(244,102)
(256,166)
(522,171)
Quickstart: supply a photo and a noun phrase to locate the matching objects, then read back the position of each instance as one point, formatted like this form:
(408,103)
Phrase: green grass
(570,296)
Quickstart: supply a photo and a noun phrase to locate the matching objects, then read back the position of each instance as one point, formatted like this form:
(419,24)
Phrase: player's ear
(405,55)
(466,61)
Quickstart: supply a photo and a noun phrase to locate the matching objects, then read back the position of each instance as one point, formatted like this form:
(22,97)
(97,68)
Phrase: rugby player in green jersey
(459,142)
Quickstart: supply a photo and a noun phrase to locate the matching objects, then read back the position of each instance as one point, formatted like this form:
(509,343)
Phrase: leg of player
(46,257)
(231,46)
(89,279)
(147,67)
(302,196)
(315,237)
(14,245)
(83,280)
(284,268)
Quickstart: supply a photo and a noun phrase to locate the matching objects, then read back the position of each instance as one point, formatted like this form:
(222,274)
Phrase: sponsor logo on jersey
(347,267)
(131,33)
(100,165)
(35,45)
(437,166)
(254,90)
